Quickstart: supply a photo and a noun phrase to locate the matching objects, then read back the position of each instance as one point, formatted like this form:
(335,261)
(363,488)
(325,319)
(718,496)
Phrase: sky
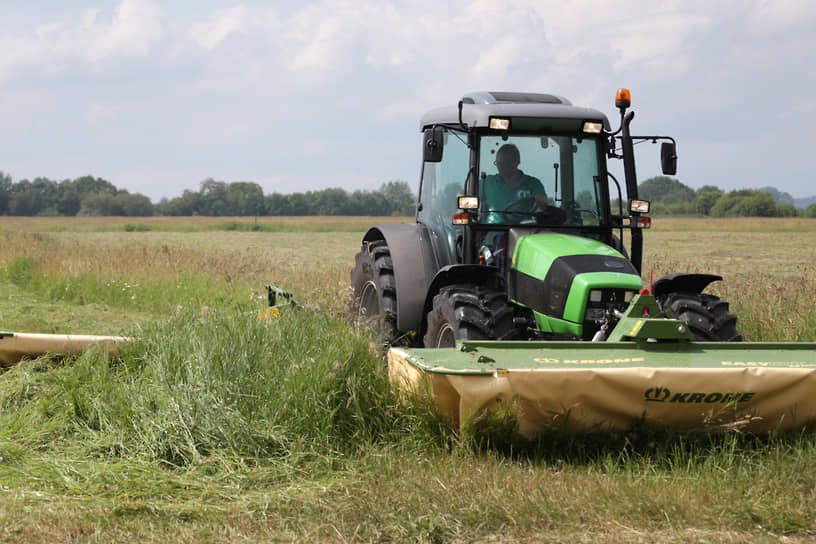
(155,97)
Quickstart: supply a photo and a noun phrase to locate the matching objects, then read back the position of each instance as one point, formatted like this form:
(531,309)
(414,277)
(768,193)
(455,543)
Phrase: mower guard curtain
(596,396)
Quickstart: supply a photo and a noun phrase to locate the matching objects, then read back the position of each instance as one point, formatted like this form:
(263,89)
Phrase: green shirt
(496,196)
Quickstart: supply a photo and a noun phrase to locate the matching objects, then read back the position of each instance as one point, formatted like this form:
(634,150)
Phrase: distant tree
(706,199)
(367,203)
(778,196)
(5,192)
(133,205)
(276,204)
(48,192)
(330,202)
(666,190)
(681,208)
(708,188)
(744,203)
(24,200)
(70,198)
(401,201)
(244,199)
(188,204)
(300,204)
(658,208)
(213,198)
(101,204)
(786,210)
(87,185)
(757,206)
(810,211)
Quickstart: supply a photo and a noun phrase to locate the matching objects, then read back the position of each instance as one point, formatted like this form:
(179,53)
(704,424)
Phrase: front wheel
(707,316)
(373,290)
(468,312)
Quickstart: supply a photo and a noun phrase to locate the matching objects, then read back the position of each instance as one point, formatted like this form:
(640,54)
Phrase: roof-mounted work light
(499,123)
(591,127)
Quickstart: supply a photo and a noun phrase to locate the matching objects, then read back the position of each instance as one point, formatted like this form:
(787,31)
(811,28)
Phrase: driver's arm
(542,200)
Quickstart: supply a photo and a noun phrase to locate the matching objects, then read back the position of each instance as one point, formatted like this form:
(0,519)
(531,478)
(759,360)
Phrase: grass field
(216,427)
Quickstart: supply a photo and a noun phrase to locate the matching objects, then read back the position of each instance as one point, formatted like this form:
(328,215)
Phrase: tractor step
(760,387)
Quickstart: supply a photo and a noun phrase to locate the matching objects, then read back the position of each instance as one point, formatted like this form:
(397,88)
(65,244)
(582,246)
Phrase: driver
(511,186)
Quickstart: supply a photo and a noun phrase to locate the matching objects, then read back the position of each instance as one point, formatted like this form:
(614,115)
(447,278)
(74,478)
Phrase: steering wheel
(593,213)
(574,211)
(552,214)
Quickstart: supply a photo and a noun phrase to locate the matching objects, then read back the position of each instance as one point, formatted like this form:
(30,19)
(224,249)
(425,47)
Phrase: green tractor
(518,235)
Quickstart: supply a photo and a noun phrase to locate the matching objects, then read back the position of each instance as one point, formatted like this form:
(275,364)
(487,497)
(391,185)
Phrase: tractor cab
(521,161)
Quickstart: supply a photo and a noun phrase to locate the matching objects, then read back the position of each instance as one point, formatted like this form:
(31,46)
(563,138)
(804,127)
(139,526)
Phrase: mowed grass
(215,426)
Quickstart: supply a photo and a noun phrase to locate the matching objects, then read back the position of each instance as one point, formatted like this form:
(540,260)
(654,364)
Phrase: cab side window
(442,182)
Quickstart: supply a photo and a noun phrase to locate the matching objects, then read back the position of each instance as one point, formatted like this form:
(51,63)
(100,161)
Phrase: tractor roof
(479,107)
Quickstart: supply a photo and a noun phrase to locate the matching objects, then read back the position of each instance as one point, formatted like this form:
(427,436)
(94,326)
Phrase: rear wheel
(706,316)
(373,290)
(468,312)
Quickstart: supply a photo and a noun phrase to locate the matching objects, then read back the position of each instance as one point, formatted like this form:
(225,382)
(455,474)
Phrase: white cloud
(770,18)
(500,56)
(132,31)
(319,36)
(135,27)
(219,26)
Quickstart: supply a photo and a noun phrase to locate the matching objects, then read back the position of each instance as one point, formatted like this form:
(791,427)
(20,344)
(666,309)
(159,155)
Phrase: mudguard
(683,283)
(414,268)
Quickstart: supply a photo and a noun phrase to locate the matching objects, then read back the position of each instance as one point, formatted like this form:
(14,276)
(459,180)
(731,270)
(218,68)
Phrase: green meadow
(214,426)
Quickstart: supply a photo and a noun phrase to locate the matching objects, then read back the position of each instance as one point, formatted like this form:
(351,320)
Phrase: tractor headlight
(591,127)
(595,295)
(467,202)
(640,206)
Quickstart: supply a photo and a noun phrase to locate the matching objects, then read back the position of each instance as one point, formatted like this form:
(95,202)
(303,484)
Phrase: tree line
(669,196)
(90,196)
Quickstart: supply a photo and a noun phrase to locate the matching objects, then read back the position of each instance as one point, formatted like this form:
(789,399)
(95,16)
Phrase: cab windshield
(546,180)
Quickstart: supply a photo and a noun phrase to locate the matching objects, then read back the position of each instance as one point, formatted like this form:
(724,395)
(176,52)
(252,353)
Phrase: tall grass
(159,271)
(190,388)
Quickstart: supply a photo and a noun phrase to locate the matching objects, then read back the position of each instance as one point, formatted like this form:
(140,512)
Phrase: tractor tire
(469,312)
(706,316)
(373,290)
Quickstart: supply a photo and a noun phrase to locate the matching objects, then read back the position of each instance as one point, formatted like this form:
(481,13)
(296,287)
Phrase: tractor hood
(536,252)
(553,274)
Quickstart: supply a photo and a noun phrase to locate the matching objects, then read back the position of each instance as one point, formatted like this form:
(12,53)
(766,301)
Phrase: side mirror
(668,158)
(432,144)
